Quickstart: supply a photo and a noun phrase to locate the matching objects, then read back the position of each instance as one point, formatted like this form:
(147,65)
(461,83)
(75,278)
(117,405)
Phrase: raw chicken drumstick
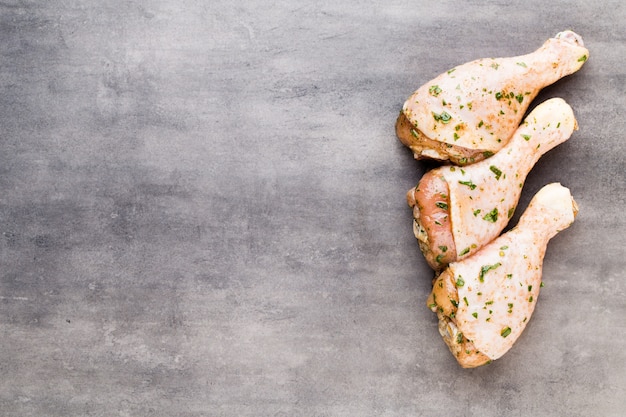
(485,301)
(458,210)
(470,112)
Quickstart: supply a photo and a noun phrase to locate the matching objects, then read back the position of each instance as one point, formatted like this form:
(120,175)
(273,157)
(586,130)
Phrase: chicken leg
(457,210)
(470,112)
(485,301)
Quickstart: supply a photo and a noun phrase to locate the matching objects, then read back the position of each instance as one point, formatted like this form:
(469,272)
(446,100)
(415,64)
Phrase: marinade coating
(471,111)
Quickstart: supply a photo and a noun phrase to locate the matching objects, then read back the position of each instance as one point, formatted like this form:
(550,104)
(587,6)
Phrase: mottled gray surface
(202,211)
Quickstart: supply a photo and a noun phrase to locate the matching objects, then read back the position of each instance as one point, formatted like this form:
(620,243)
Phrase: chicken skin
(485,301)
(471,111)
(458,210)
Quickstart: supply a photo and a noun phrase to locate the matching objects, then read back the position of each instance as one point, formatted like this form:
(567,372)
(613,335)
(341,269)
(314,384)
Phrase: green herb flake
(505,332)
(439,258)
(495,65)
(519,98)
(499,95)
(481,123)
(469,183)
(492,216)
(443,117)
(466,302)
(460,282)
(454,302)
(582,58)
(451,71)
(414,133)
(476,212)
(496,171)
(432,305)
(459,338)
(475,315)
(510,212)
(521,64)
(464,251)
(541,285)
(434,90)
(530,299)
(443,248)
(530,288)
(456,136)
(526,137)
(509,276)
(486,268)
(441,205)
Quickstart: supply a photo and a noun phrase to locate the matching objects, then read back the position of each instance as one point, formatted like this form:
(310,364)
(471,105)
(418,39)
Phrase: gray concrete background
(202,211)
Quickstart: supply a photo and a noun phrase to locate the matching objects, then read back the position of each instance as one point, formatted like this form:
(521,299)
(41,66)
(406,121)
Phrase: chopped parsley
(486,268)
(443,117)
(469,183)
(464,251)
(460,282)
(505,332)
(582,58)
(441,205)
(492,216)
(434,90)
(510,212)
(496,171)
(526,137)
(521,64)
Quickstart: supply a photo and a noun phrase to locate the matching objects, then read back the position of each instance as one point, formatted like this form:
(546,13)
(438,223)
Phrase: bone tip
(571,37)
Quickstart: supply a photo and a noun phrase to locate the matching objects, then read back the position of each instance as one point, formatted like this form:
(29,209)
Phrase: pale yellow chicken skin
(458,210)
(471,111)
(484,302)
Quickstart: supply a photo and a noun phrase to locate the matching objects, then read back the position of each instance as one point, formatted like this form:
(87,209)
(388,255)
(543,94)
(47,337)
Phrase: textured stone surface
(202,211)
